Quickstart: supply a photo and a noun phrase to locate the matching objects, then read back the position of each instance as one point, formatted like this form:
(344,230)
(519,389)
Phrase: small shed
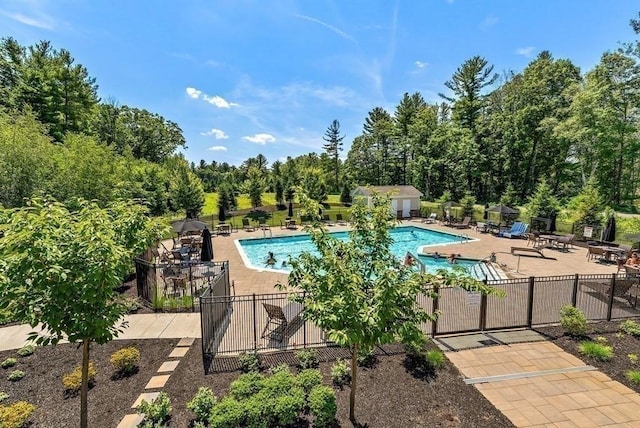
(405,200)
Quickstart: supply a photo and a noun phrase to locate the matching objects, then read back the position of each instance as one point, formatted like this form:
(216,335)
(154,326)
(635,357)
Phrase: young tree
(467,203)
(587,208)
(543,203)
(279,191)
(313,184)
(255,186)
(345,196)
(333,148)
(357,291)
(187,192)
(60,266)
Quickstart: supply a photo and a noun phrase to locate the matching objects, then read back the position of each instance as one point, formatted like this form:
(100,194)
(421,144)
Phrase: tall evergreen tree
(333,148)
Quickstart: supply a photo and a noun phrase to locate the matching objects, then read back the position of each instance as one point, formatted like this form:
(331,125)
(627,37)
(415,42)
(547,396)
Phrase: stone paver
(186,341)
(178,352)
(578,398)
(157,381)
(147,396)
(130,421)
(168,366)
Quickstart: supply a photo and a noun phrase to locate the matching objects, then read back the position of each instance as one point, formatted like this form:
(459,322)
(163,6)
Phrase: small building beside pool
(405,200)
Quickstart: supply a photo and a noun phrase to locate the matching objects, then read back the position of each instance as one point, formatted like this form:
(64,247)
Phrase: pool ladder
(264,233)
(464,238)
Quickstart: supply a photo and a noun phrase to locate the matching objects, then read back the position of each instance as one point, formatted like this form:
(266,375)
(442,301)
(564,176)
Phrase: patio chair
(326,219)
(280,318)
(481,227)
(340,221)
(246,225)
(532,238)
(565,241)
(262,223)
(433,218)
(517,230)
(595,253)
(621,289)
(463,225)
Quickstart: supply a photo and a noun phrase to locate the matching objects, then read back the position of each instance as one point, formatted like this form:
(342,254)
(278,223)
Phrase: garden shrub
(366,357)
(279,384)
(259,411)
(247,385)
(288,406)
(249,362)
(573,320)
(434,359)
(156,413)
(16,414)
(633,358)
(279,368)
(308,378)
(202,403)
(322,404)
(307,358)
(3,396)
(340,373)
(72,382)
(26,350)
(595,350)
(16,375)
(125,360)
(633,376)
(630,327)
(9,362)
(228,413)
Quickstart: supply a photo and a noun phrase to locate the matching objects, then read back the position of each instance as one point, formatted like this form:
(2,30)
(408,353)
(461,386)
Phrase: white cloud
(421,64)
(218,133)
(46,23)
(260,139)
(215,100)
(218,148)
(526,52)
(489,21)
(193,93)
(330,27)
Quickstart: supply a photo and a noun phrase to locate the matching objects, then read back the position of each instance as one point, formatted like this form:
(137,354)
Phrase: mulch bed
(622,346)
(109,400)
(390,394)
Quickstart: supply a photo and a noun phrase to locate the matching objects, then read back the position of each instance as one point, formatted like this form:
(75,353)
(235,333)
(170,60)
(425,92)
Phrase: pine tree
(334,147)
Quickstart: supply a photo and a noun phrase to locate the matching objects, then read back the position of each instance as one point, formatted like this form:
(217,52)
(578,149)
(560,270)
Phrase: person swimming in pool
(271,260)
(453,258)
(435,255)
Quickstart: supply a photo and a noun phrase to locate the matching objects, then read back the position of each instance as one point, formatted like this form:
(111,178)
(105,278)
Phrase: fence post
(532,280)
(483,309)
(304,322)
(434,324)
(574,293)
(255,327)
(611,294)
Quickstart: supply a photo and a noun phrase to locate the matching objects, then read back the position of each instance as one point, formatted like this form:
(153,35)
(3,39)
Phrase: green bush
(573,321)
(322,404)
(155,412)
(247,385)
(9,362)
(202,403)
(279,383)
(228,413)
(307,358)
(434,359)
(16,414)
(3,396)
(308,378)
(72,382)
(26,350)
(279,368)
(633,358)
(595,350)
(126,360)
(259,411)
(630,327)
(249,362)
(366,357)
(16,375)
(288,406)
(340,373)
(633,376)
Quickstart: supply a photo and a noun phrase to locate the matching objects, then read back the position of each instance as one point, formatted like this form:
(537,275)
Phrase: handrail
(411,256)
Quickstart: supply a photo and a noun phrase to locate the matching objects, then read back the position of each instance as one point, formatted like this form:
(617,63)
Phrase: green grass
(633,376)
(595,350)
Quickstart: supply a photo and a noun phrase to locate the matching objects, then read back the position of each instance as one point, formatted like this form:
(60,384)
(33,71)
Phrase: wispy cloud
(330,27)
(218,148)
(489,21)
(216,100)
(421,64)
(260,139)
(526,52)
(43,21)
(217,133)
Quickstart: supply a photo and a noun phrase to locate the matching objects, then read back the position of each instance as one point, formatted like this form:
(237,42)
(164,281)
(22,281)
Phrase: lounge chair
(433,218)
(279,318)
(463,225)
(326,219)
(517,230)
(340,221)
(262,223)
(246,225)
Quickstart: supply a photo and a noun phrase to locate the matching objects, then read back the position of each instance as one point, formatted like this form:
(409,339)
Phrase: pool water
(255,251)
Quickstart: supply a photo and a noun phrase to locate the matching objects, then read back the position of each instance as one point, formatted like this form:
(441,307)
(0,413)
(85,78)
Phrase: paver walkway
(539,385)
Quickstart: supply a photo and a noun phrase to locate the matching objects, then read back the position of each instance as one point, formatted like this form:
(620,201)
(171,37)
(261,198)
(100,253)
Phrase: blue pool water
(404,239)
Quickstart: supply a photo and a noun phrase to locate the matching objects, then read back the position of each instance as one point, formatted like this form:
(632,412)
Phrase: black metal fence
(176,287)
(234,324)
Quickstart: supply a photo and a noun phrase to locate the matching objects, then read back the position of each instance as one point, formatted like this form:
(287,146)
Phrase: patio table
(613,251)
(552,240)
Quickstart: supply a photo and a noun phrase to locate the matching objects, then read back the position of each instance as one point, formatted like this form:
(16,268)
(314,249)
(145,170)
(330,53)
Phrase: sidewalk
(141,326)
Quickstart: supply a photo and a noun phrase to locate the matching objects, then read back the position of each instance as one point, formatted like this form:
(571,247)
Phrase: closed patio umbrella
(187,225)
(503,210)
(610,231)
(552,222)
(206,255)
(486,212)
(290,213)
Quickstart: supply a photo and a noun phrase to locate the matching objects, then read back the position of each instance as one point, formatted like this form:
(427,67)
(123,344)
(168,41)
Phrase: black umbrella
(552,222)
(610,231)
(221,215)
(502,210)
(290,209)
(486,212)
(188,225)
(206,255)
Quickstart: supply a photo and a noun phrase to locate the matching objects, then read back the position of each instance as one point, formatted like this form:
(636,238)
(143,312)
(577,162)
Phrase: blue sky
(244,77)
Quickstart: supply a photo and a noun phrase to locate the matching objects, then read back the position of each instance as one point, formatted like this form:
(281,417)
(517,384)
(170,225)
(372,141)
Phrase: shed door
(406,208)
(394,207)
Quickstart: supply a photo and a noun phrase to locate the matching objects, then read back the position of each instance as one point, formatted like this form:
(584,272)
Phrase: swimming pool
(409,238)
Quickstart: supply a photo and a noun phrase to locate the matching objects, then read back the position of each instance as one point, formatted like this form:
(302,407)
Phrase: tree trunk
(85,384)
(354,373)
